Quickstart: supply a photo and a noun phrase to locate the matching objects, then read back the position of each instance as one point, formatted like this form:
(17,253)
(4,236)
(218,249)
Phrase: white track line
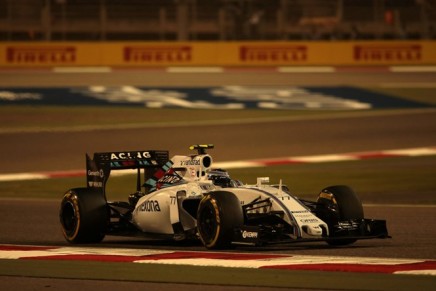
(306,69)
(195,70)
(413,69)
(219,69)
(22,177)
(82,70)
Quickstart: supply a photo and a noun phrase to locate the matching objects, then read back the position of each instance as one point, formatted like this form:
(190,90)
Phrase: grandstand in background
(220,20)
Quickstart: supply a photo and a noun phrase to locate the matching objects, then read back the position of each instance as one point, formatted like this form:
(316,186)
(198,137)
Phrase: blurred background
(216,20)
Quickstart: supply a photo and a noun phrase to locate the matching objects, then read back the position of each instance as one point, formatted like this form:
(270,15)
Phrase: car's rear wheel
(339,203)
(219,213)
(83,215)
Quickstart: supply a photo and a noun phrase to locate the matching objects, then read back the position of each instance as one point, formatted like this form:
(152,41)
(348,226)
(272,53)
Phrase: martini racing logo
(270,54)
(388,53)
(145,54)
(41,55)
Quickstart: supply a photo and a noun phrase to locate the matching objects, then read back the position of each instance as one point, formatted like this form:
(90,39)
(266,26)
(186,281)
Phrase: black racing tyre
(84,216)
(341,203)
(219,213)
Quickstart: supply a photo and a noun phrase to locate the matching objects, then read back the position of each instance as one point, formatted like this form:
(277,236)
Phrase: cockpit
(221,178)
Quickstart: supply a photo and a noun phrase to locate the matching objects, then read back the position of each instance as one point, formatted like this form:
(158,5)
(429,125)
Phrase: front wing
(344,230)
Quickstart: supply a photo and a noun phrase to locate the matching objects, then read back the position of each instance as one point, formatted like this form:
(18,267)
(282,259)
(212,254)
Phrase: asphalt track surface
(412,228)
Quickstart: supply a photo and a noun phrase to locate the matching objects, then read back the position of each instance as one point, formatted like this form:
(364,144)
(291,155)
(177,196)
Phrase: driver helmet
(219,177)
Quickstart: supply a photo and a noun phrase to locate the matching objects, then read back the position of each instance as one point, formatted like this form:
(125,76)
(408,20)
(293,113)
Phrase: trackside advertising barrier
(238,54)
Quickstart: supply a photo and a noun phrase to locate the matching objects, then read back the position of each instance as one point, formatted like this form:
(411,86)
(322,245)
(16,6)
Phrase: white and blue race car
(186,198)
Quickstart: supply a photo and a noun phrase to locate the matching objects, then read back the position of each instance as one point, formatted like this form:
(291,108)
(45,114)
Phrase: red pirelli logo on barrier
(273,54)
(144,54)
(387,53)
(41,55)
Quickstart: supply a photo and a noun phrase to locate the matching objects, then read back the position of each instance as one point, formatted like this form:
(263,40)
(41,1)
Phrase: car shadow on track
(195,245)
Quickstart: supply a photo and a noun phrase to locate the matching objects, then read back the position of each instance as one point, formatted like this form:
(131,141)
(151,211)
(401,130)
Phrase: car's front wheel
(339,203)
(218,215)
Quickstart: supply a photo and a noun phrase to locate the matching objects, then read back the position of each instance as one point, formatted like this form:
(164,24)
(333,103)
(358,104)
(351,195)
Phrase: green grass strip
(214,275)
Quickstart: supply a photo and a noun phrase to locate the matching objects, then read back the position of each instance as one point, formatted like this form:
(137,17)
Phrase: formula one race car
(186,198)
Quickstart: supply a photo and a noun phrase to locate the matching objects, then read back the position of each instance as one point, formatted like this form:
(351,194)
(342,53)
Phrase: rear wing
(99,167)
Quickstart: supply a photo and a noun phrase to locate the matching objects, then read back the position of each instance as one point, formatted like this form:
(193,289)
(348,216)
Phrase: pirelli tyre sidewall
(83,216)
(219,213)
(340,203)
